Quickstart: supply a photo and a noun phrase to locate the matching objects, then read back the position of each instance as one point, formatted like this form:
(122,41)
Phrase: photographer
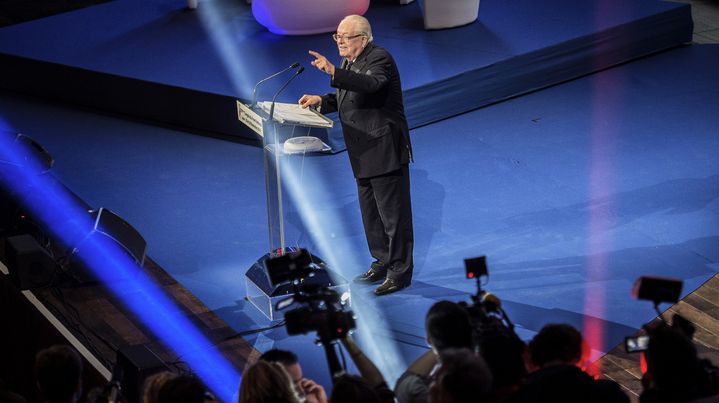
(505,354)
(556,352)
(675,373)
(269,382)
(447,325)
(324,311)
(291,364)
(463,378)
(371,387)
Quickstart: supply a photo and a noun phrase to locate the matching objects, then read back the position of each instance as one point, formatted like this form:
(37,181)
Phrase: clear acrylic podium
(289,121)
(283,137)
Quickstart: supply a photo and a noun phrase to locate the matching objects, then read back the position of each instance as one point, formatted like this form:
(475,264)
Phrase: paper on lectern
(293,113)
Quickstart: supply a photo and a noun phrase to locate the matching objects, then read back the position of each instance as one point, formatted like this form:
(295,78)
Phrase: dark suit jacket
(369,101)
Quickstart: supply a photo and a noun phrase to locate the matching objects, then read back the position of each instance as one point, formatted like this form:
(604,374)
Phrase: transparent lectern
(284,130)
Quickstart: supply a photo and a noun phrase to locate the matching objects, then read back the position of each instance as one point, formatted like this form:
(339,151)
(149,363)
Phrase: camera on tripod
(485,311)
(330,324)
(323,309)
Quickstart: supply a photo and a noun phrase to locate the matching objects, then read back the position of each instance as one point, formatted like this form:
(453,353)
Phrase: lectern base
(265,297)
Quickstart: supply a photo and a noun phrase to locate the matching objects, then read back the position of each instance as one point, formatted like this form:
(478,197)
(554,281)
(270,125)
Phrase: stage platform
(156,60)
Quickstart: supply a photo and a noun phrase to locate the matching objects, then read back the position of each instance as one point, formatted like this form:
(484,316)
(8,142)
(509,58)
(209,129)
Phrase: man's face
(349,45)
(295,372)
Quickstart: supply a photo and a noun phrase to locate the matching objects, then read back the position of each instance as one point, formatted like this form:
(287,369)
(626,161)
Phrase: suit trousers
(386,209)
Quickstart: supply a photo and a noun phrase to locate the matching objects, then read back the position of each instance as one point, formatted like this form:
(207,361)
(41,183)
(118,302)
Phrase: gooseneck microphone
(272,107)
(254,91)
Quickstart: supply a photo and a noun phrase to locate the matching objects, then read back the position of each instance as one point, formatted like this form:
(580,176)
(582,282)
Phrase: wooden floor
(100,325)
(107,325)
(705,14)
(701,308)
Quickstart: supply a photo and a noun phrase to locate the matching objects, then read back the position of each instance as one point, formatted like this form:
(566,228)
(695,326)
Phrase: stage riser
(546,67)
(215,114)
(194,110)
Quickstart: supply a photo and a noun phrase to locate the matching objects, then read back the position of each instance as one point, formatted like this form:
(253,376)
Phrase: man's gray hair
(362,25)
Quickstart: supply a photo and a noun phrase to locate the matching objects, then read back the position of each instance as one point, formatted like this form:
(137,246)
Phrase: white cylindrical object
(192,4)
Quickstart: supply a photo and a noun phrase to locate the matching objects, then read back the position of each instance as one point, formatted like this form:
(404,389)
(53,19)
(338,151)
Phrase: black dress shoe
(371,276)
(391,285)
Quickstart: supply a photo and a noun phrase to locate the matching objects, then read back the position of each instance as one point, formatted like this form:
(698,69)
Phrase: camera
(323,309)
(657,289)
(485,311)
(476,267)
(295,265)
(329,324)
(636,344)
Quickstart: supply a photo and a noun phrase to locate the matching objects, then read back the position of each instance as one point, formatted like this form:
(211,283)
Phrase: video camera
(657,290)
(485,311)
(324,310)
(324,314)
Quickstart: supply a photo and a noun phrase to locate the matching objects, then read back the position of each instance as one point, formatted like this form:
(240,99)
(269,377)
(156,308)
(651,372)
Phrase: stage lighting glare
(52,205)
(224,39)
(328,234)
(285,303)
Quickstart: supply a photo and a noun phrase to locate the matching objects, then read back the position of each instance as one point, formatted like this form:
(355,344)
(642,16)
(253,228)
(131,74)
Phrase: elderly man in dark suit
(369,101)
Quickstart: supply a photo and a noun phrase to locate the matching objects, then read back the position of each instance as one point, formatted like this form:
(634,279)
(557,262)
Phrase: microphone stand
(254,91)
(272,106)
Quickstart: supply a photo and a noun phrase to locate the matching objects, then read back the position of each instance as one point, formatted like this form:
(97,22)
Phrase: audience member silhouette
(58,371)
(447,325)
(265,382)
(184,389)
(675,373)
(353,389)
(463,377)
(505,354)
(153,384)
(350,388)
(8,396)
(555,352)
(291,364)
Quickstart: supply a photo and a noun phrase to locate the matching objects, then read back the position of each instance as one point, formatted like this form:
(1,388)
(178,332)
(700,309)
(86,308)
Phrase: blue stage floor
(572,193)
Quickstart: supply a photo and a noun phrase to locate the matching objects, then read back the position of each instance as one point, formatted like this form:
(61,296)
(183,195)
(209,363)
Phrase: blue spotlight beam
(328,232)
(52,205)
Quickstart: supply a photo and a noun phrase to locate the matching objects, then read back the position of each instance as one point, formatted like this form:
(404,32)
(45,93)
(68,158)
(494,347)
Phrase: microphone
(272,107)
(254,91)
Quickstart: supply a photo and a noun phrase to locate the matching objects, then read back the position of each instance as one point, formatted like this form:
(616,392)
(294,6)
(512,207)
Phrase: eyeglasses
(345,38)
